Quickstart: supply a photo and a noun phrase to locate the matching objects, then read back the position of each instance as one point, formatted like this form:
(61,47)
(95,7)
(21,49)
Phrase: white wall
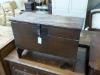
(69,8)
(20,4)
(3,1)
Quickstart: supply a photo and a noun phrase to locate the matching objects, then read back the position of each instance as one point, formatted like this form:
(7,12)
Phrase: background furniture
(94,62)
(23,66)
(8,9)
(85,42)
(94,19)
(6,46)
(94,25)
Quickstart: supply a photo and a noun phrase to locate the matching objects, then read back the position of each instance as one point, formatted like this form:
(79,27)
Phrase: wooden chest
(22,66)
(45,33)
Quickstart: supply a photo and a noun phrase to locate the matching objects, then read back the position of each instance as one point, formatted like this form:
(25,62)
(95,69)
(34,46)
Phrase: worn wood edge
(7,48)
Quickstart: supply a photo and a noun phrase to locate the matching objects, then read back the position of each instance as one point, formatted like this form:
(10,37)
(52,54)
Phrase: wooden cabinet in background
(18,69)
(95,54)
(4,69)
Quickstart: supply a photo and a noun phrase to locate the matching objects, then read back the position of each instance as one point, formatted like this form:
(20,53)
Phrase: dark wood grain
(56,41)
(18,69)
(69,33)
(4,52)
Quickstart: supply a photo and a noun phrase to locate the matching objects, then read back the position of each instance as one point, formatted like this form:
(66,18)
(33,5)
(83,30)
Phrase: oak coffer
(48,34)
